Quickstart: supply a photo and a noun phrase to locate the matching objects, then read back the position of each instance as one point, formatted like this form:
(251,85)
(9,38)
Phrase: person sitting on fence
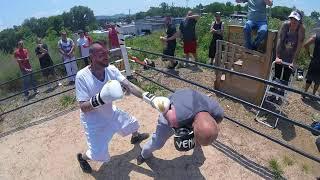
(21,55)
(288,46)
(313,74)
(217,34)
(45,61)
(257,19)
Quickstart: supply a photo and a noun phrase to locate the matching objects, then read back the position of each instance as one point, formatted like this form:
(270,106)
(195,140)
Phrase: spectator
(313,74)
(217,34)
(22,56)
(113,37)
(66,48)
(288,45)
(170,42)
(83,45)
(257,19)
(45,61)
(188,31)
(86,34)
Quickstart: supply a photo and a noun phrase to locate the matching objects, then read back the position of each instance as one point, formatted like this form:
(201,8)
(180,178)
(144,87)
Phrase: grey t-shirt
(188,103)
(288,43)
(257,10)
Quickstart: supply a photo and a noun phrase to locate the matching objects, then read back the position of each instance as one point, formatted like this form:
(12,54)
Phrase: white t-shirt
(87,85)
(65,45)
(81,42)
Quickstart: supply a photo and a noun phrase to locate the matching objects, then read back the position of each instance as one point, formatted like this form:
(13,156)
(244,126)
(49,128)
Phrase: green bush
(66,101)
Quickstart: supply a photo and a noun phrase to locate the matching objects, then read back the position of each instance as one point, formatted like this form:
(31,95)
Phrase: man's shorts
(98,139)
(190,47)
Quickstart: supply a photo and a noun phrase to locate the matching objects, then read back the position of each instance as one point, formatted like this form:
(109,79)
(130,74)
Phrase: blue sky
(13,12)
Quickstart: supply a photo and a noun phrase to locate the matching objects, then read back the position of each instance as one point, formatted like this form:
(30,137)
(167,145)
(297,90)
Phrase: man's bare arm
(195,16)
(85,106)
(131,88)
(176,35)
(310,41)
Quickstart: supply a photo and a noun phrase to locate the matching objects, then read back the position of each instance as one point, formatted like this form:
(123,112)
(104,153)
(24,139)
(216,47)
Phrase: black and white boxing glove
(162,104)
(111,91)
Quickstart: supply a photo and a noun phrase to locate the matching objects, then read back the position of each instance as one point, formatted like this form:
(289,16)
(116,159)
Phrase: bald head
(99,54)
(205,128)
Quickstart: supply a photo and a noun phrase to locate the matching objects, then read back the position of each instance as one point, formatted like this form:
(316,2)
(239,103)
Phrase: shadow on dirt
(252,166)
(183,167)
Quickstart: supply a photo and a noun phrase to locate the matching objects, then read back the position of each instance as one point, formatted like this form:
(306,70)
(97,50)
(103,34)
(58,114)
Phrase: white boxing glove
(162,104)
(111,91)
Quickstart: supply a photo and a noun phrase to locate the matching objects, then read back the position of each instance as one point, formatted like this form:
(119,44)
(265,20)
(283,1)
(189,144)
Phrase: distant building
(129,29)
(240,15)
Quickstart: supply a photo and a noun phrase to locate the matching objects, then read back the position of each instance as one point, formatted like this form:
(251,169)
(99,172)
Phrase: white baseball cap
(296,15)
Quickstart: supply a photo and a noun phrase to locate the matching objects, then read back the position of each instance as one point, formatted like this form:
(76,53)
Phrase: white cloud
(2,26)
(46,13)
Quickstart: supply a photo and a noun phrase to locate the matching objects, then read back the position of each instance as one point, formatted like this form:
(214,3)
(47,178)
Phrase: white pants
(71,67)
(98,138)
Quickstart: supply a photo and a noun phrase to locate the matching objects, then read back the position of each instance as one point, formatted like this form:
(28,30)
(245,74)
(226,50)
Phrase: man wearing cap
(83,45)
(257,19)
(217,34)
(288,45)
(190,115)
(66,49)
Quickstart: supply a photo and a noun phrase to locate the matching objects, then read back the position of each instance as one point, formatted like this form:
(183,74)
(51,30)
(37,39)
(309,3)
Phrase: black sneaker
(85,166)
(139,138)
(140,160)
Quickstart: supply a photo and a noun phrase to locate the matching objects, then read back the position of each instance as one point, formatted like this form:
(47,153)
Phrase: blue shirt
(257,10)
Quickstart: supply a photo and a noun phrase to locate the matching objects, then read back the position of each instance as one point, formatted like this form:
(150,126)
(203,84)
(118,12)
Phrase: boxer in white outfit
(97,85)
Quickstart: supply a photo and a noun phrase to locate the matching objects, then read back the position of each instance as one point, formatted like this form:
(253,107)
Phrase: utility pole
(187,2)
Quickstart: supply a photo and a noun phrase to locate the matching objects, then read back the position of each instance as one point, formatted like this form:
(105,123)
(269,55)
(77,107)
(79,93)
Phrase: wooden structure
(233,56)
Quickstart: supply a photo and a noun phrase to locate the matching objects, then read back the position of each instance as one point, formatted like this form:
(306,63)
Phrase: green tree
(81,17)
(315,15)
(164,7)
(215,7)
(55,22)
(229,9)
(280,12)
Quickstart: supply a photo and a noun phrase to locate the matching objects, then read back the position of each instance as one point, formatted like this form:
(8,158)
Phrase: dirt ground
(41,140)
(48,151)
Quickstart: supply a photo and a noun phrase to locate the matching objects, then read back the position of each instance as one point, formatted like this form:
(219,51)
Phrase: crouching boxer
(190,116)
(97,86)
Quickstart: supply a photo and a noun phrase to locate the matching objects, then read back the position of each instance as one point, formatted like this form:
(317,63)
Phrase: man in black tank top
(313,74)
(217,34)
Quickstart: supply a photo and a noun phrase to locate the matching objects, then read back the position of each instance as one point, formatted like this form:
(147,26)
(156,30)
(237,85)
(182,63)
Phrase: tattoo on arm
(131,88)
(85,106)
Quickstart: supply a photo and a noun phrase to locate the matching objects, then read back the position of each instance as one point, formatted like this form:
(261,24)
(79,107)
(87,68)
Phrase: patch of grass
(67,101)
(275,168)
(288,161)
(315,117)
(152,88)
(305,168)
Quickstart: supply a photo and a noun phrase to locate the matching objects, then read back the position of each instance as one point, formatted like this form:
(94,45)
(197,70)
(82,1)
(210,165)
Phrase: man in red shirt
(22,56)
